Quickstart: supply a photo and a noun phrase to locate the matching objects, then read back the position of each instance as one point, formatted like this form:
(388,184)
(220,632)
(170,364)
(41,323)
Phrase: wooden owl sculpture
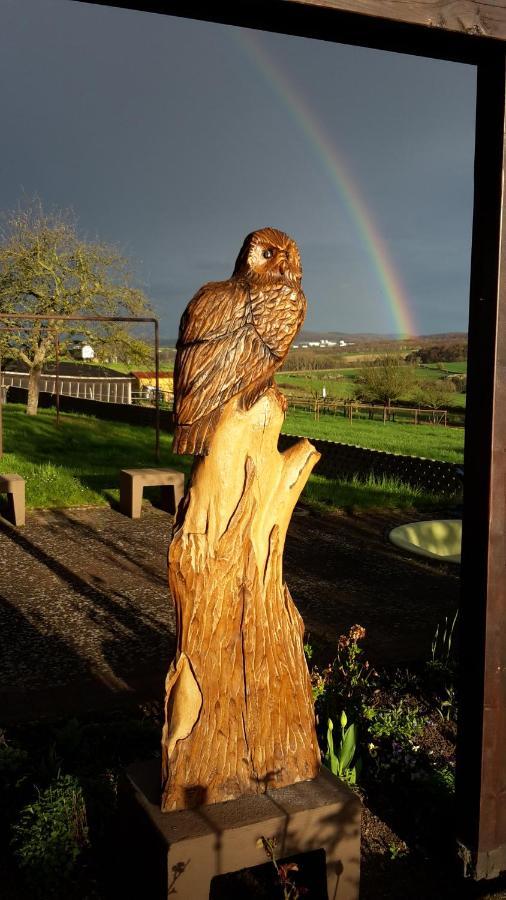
(234,335)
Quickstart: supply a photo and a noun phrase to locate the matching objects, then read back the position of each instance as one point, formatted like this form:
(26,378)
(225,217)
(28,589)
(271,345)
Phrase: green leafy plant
(349,680)
(401,723)
(13,766)
(342,760)
(440,669)
(51,834)
(444,778)
(396,851)
(448,707)
(442,643)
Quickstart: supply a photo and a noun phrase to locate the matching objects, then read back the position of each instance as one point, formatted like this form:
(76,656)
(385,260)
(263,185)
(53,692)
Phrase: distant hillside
(356,337)
(347,336)
(367,337)
(445,336)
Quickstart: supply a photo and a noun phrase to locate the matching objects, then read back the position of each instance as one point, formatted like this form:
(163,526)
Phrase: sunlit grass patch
(429,441)
(372,493)
(77,463)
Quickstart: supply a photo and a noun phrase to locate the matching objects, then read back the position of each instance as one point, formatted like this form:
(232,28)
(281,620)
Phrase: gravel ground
(86,617)
(85,614)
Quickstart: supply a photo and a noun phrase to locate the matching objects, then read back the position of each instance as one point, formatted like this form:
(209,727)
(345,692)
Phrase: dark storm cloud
(165,136)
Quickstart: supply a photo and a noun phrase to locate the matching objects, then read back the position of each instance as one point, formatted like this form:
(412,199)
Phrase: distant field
(340,384)
(457,368)
(123,368)
(430,441)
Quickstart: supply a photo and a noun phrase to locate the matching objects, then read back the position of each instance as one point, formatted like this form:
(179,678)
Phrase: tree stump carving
(239,714)
(239,708)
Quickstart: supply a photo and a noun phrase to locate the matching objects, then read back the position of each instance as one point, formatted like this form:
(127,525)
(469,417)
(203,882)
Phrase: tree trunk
(33,391)
(239,709)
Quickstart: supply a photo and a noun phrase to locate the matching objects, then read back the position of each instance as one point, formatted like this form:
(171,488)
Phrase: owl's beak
(283,263)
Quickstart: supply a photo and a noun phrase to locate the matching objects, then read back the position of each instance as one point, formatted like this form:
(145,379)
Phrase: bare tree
(46,268)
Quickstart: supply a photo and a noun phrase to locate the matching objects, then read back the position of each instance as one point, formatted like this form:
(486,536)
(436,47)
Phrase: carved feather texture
(234,335)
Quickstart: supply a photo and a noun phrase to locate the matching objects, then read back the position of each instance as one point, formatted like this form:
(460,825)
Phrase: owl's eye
(267,254)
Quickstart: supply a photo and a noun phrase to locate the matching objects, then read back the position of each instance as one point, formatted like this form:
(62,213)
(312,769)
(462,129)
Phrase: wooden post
(1,409)
(481,759)
(57,375)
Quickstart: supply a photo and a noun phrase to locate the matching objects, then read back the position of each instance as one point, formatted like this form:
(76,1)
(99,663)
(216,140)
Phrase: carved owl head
(269,254)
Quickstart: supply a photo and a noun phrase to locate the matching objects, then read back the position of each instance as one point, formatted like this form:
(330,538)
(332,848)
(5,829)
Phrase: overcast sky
(175,138)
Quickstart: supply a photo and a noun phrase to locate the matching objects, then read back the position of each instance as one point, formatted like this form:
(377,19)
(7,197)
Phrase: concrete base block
(179,853)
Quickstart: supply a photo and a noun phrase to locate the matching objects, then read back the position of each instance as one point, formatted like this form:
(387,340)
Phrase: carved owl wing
(228,345)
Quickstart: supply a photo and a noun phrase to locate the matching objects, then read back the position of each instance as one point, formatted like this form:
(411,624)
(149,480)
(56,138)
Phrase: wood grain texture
(486,19)
(239,710)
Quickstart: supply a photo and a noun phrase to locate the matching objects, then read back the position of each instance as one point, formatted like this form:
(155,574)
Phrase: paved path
(84,609)
(86,617)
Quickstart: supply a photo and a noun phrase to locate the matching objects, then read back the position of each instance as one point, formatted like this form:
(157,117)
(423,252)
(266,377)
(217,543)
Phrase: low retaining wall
(338,460)
(346,460)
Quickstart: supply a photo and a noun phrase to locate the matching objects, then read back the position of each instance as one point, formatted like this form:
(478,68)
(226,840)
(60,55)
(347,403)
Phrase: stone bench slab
(133,481)
(14,486)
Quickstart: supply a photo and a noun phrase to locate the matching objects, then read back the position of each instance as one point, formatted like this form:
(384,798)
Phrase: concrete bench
(14,487)
(133,481)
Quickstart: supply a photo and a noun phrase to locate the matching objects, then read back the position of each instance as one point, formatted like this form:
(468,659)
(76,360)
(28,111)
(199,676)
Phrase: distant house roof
(79,370)
(152,374)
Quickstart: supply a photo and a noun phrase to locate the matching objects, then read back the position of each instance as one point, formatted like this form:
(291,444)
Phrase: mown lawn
(77,463)
(430,441)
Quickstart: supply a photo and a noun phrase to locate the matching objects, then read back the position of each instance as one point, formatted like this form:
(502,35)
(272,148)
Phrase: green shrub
(13,765)
(400,723)
(51,834)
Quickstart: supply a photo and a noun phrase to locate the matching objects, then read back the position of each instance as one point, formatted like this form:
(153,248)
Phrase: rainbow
(392,289)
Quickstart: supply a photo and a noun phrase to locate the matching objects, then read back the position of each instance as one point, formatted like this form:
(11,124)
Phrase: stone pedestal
(179,853)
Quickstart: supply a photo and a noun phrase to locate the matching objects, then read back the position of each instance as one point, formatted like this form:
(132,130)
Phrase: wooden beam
(481,763)
(486,19)
(341,22)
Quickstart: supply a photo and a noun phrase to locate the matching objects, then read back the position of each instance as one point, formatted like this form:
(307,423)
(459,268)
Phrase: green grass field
(339,383)
(430,441)
(77,463)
